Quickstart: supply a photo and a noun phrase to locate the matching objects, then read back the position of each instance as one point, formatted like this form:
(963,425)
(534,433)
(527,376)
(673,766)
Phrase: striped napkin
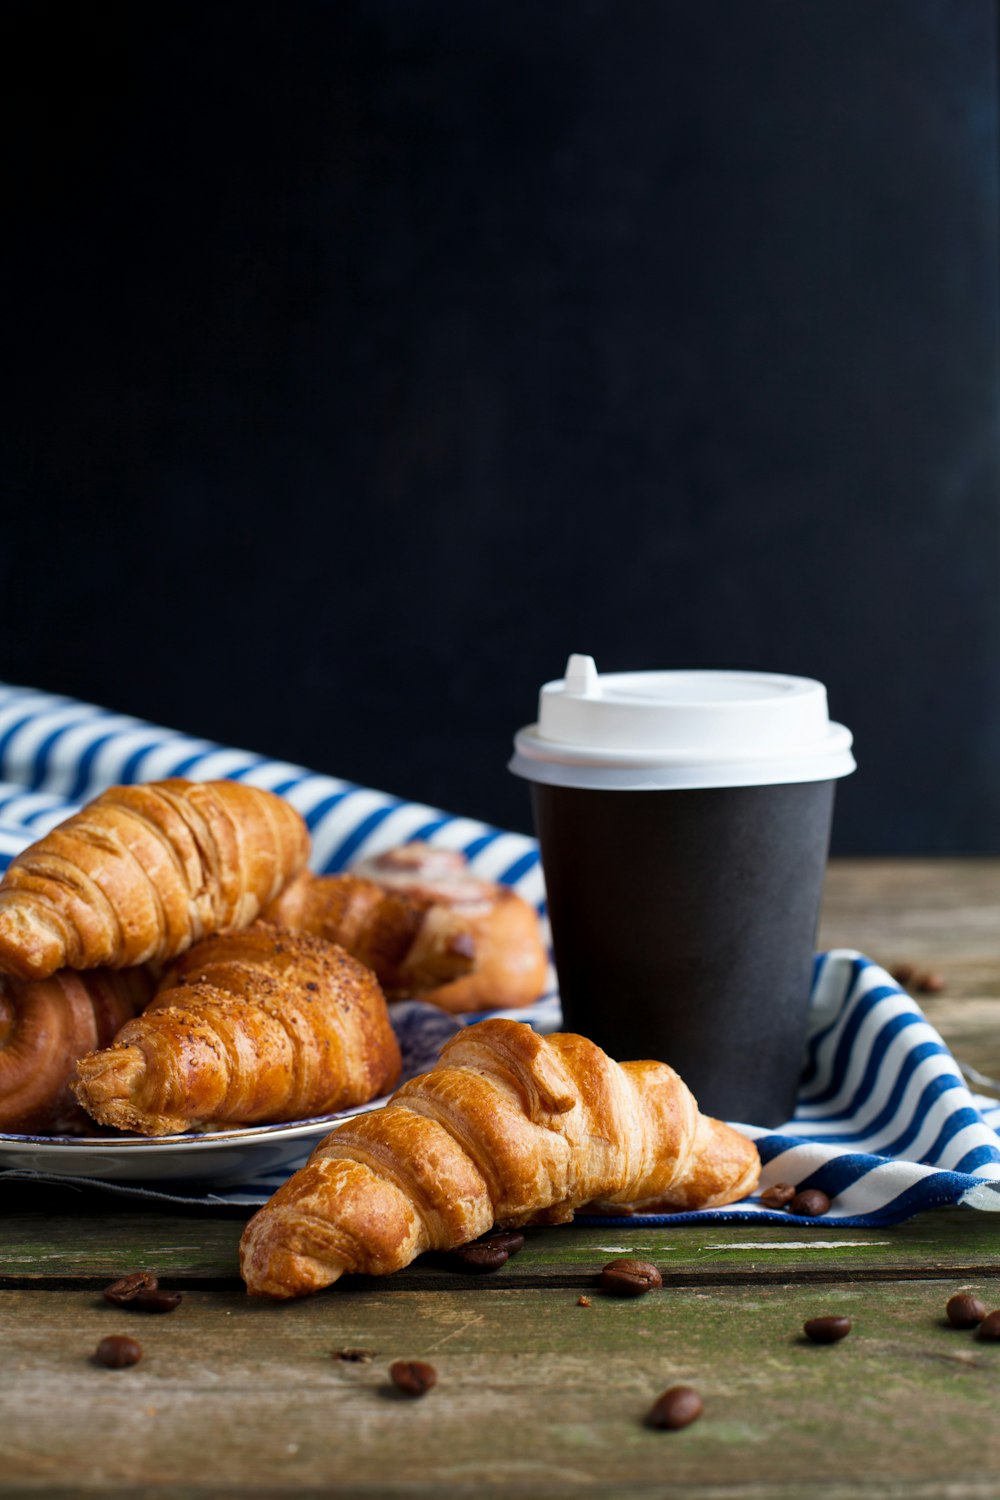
(885,1123)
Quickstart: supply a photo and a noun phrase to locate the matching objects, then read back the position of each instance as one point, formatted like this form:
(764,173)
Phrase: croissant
(144,871)
(429,929)
(258,1025)
(507,1128)
(45,1025)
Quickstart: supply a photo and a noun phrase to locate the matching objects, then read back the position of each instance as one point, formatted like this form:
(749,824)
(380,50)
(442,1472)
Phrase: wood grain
(943,912)
(535,1395)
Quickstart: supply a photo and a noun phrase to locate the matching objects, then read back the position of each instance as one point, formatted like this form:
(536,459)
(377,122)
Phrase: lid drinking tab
(581,677)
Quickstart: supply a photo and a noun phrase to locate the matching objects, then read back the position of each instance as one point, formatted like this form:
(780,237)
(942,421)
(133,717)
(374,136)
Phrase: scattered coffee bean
(989,1328)
(477,1257)
(120,1292)
(778,1196)
(157,1301)
(412,1377)
(678,1407)
(827,1330)
(583,1301)
(965,1311)
(811,1203)
(354,1356)
(630,1278)
(929,984)
(504,1239)
(903,973)
(117,1352)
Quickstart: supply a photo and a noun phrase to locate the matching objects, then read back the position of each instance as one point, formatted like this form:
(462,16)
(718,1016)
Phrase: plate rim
(203,1139)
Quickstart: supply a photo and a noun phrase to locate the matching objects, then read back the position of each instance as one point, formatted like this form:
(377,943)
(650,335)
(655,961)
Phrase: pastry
(429,929)
(429,872)
(45,1026)
(259,1025)
(144,871)
(507,1128)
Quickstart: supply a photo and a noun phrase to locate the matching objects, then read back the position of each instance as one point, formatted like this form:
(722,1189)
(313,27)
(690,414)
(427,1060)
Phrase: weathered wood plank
(92,1250)
(931,911)
(940,915)
(534,1394)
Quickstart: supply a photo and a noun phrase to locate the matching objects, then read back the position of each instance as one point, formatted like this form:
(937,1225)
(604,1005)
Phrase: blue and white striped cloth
(885,1123)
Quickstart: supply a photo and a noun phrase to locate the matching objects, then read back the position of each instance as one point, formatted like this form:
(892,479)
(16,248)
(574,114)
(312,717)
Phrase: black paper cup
(684,822)
(684,926)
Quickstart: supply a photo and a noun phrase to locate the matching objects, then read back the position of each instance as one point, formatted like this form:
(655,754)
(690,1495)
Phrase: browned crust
(254,1026)
(144,871)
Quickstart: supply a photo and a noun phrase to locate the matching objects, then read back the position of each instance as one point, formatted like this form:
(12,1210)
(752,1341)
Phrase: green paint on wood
(91,1246)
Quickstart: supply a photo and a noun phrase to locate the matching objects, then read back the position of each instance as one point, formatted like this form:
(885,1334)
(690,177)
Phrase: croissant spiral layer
(144,871)
(45,1026)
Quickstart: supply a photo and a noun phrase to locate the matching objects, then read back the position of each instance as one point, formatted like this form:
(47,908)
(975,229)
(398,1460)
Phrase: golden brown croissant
(45,1026)
(429,929)
(260,1025)
(507,1128)
(144,871)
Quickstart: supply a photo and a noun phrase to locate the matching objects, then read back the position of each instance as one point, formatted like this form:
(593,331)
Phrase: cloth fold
(885,1122)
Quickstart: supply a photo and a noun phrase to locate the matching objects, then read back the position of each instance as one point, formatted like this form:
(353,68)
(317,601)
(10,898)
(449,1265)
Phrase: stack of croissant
(147,980)
(169,964)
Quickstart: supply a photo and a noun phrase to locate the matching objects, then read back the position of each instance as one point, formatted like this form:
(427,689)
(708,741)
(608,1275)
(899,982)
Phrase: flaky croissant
(508,1128)
(429,929)
(144,871)
(45,1026)
(260,1025)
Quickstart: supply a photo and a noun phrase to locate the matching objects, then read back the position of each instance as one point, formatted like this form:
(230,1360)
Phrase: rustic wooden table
(536,1395)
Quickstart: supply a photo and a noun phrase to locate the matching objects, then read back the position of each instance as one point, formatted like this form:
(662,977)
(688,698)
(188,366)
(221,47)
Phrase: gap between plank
(580,1282)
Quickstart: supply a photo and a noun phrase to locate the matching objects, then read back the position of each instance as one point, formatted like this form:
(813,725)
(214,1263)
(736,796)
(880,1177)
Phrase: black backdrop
(369,357)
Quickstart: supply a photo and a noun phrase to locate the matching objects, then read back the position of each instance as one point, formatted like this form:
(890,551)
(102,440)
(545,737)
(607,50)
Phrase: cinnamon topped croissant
(260,1025)
(507,1128)
(142,872)
(429,929)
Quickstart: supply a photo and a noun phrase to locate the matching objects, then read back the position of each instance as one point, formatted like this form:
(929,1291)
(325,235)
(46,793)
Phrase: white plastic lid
(659,731)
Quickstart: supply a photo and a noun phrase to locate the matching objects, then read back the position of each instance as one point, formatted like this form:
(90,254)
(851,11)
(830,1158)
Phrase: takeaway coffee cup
(684,822)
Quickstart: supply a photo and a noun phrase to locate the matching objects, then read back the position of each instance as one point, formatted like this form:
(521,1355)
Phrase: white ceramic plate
(218,1157)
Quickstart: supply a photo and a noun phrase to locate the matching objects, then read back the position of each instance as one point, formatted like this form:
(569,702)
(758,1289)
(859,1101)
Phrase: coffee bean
(778,1196)
(903,973)
(630,1278)
(117,1352)
(354,1356)
(678,1407)
(827,1330)
(583,1301)
(480,1257)
(989,1328)
(504,1239)
(811,1203)
(964,1311)
(929,984)
(120,1292)
(412,1377)
(157,1301)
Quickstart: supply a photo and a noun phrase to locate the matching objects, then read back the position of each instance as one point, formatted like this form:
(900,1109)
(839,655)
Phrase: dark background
(369,357)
